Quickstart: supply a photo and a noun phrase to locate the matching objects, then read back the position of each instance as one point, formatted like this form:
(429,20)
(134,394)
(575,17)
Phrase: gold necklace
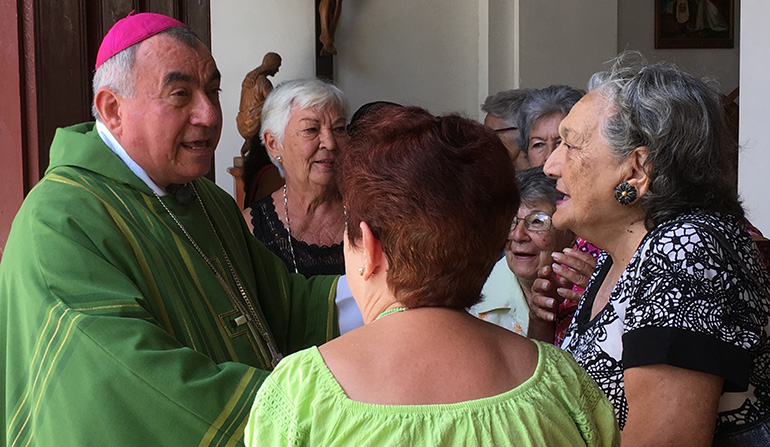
(246,307)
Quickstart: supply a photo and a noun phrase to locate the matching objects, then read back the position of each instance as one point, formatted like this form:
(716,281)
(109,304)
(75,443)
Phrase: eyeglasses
(504,129)
(536,221)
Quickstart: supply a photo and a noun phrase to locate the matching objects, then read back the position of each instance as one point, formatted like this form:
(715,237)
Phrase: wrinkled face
(507,131)
(310,143)
(585,169)
(526,251)
(172,125)
(543,139)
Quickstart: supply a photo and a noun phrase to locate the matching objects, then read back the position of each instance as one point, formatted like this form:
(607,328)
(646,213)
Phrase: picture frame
(694,23)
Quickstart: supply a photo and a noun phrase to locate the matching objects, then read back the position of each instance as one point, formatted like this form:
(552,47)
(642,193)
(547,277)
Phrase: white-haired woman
(303,128)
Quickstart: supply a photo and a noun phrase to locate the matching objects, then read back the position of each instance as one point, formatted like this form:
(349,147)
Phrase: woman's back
(404,359)
(440,378)
(429,202)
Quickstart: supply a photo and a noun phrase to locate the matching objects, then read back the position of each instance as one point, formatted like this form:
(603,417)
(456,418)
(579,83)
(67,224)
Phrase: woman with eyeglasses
(531,243)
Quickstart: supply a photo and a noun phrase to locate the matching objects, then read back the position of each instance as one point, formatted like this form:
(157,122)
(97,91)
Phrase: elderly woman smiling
(422,371)
(532,240)
(303,128)
(674,323)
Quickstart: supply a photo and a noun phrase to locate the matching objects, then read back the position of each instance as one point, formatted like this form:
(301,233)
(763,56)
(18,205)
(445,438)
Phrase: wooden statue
(330,11)
(254,89)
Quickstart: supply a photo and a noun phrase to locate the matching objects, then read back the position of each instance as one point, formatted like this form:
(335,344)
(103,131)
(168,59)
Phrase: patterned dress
(567,308)
(696,284)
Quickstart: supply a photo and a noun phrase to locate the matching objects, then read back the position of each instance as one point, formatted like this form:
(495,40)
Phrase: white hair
(302,93)
(117,74)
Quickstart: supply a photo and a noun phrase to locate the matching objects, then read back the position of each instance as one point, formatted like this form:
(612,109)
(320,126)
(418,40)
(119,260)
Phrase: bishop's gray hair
(117,72)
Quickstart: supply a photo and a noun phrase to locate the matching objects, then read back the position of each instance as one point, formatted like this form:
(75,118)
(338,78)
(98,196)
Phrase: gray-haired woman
(303,128)
(673,325)
(531,243)
(539,120)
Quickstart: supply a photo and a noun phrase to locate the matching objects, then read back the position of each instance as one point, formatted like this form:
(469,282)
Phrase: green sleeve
(300,312)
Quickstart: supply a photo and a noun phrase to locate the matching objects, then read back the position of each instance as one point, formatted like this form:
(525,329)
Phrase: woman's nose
(518,232)
(328,141)
(552,166)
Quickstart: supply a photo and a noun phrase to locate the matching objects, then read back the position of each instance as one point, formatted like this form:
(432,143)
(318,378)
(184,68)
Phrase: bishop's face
(172,125)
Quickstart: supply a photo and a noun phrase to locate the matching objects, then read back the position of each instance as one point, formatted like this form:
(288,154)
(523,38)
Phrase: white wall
(412,52)
(502,40)
(445,56)
(636,31)
(242,31)
(565,42)
(448,56)
(754,162)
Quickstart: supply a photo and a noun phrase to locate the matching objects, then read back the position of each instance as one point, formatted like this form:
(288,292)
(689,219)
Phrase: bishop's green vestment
(116,331)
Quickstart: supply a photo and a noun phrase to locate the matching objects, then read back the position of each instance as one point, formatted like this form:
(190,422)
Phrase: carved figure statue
(330,11)
(254,90)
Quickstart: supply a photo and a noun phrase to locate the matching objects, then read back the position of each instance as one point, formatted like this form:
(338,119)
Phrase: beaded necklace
(391,311)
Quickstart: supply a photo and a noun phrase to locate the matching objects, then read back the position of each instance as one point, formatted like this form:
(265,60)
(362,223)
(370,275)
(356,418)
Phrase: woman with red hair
(429,201)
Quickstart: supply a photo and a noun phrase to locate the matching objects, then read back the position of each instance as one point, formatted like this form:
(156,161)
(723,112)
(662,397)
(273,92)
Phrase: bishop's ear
(107,104)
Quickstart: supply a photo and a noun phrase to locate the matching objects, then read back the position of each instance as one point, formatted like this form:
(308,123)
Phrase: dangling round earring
(625,193)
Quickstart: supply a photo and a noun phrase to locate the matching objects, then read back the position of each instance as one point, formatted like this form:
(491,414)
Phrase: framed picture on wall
(694,23)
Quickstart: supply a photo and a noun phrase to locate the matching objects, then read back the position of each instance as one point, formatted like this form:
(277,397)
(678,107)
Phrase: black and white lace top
(311,259)
(695,295)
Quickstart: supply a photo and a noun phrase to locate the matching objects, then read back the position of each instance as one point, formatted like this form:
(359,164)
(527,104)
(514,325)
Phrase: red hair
(438,192)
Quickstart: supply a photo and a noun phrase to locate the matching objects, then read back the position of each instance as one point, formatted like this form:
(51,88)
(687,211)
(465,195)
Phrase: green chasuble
(117,333)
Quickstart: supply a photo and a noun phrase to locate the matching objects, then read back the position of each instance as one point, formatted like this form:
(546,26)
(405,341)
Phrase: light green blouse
(503,302)
(301,404)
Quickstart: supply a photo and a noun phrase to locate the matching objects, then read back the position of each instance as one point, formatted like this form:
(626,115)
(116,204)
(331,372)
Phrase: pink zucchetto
(132,29)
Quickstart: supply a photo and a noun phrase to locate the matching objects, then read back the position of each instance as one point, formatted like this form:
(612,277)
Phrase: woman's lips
(523,255)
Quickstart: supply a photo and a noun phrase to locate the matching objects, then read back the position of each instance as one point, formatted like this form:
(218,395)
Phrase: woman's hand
(543,302)
(574,267)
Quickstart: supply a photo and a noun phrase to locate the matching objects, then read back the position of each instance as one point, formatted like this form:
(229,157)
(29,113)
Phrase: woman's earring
(361,271)
(625,193)
(279,159)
